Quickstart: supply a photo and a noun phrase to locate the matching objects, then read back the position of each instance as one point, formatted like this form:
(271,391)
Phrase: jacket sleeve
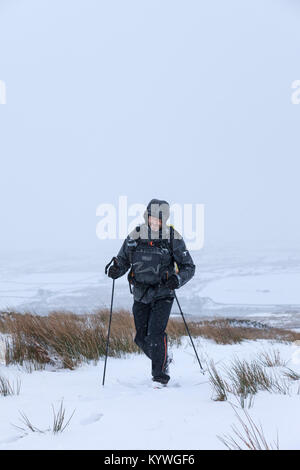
(123,258)
(184,262)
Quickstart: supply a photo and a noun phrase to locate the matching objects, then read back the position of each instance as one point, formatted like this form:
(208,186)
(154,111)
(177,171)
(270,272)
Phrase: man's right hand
(114,271)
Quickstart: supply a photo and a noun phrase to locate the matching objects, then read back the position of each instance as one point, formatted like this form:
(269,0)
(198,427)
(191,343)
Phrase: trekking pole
(111,306)
(202,370)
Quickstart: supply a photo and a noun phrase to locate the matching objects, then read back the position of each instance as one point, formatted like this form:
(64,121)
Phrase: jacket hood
(157,208)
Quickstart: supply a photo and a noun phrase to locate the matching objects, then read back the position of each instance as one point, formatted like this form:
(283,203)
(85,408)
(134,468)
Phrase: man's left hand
(173,282)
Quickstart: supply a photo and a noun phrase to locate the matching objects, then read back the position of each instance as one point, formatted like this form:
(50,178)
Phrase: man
(151,251)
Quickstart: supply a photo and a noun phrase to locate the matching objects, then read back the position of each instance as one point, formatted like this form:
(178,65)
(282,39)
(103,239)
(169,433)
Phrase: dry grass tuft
(27,425)
(250,436)
(8,388)
(247,378)
(244,379)
(220,386)
(271,358)
(291,374)
(64,339)
(59,424)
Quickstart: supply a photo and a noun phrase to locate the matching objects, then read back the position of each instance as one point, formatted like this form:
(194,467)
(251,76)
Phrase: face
(154,223)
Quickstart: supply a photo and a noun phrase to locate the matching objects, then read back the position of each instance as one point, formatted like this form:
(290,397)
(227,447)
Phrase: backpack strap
(171,242)
(130,276)
(172,249)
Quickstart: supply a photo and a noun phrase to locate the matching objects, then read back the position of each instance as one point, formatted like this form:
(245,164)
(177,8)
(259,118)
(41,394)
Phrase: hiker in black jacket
(151,251)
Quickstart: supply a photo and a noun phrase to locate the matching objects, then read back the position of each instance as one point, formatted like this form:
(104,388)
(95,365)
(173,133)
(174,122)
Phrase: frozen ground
(261,284)
(128,414)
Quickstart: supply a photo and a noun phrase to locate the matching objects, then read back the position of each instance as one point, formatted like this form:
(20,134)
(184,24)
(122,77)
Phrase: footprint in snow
(11,439)
(91,419)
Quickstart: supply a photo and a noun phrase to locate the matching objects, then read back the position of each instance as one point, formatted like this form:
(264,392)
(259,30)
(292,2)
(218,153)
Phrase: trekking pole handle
(113,260)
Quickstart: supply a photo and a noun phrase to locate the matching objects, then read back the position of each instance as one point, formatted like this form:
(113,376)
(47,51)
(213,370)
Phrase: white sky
(188,101)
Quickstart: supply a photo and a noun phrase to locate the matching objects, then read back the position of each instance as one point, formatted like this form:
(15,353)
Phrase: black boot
(161,378)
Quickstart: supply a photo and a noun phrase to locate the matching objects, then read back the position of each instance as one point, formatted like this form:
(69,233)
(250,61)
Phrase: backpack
(150,260)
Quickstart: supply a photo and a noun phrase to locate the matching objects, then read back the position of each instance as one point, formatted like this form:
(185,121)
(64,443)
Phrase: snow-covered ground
(127,413)
(261,284)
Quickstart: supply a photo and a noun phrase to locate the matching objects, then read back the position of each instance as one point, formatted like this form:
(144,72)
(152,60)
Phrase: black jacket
(186,268)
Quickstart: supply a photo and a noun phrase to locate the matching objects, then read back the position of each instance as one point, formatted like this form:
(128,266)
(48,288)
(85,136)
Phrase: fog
(184,101)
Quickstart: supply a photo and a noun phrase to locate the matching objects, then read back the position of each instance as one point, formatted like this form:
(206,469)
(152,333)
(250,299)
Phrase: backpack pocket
(149,263)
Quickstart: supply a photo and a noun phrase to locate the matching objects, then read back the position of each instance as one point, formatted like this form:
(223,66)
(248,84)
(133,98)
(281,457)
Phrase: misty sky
(188,101)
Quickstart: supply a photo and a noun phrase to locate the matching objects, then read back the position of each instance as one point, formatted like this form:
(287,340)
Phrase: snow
(229,277)
(267,289)
(127,413)
(23,289)
(262,284)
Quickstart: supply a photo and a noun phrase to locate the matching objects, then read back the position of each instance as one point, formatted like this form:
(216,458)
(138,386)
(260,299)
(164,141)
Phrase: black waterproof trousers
(150,323)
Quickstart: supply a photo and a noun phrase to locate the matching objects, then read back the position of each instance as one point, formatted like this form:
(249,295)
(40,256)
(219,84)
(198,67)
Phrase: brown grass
(244,379)
(8,388)
(58,426)
(230,331)
(250,436)
(65,339)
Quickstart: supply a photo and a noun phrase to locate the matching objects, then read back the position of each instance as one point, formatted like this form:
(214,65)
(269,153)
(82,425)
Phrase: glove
(173,282)
(114,271)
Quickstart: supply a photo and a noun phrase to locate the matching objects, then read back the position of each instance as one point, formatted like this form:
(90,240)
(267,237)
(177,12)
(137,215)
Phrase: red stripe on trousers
(165,341)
